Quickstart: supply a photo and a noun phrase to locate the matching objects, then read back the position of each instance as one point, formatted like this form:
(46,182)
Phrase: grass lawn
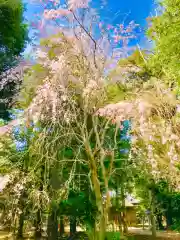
(113,235)
(109,235)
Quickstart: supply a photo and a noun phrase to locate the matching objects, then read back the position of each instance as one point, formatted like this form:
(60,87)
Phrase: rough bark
(97,191)
(52,226)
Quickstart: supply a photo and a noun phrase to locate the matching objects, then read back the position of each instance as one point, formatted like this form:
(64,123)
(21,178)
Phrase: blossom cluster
(10,84)
(56,13)
(70,73)
(155,129)
(76,4)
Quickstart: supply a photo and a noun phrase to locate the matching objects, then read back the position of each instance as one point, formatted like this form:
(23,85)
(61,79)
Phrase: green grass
(113,235)
(116,236)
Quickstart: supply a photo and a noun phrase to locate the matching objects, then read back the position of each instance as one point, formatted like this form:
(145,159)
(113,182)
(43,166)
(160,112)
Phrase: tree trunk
(102,232)
(38,229)
(118,207)
(97,191)
(53,218)
(143,222)
(20,227)
(120,225)
(72,225)
(99,203)
(152,216)
(169,220)
(52,230)
(159,221)
(125,227)
(61,226)
(153,225)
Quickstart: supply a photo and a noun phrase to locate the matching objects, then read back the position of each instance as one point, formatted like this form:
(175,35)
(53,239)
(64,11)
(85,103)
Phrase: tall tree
(13,32)
(164,31)
(13,38)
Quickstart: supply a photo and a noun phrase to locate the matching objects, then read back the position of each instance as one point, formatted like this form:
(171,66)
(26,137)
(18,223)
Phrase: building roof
(128,203)
(130,200)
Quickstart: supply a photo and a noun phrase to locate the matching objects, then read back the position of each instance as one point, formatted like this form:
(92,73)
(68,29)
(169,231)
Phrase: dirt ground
(139,234)
(146,237)
(134,234)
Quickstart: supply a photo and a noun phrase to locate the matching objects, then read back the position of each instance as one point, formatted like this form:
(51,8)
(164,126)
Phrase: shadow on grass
(109,236)
(148,237)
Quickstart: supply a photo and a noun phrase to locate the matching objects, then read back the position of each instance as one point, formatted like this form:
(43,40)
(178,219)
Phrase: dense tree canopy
(13,38)
(164,31)
(13,32)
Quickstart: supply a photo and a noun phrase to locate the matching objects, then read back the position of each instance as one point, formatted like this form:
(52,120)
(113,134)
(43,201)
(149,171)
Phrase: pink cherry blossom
(117,38)
(75,4)
(56,13)
(109,27)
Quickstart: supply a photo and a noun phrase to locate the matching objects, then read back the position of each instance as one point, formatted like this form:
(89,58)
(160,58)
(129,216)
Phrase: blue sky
(115,12)
(128,10)
(138,9)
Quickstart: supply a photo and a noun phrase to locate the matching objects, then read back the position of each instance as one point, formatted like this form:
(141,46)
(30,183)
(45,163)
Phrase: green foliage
(13,32)
(137,58)
(13,39)
(115,93)
(176,226)
(128,76)
(113,235)
(164,31)
(167,201)
(81,205)
(32,80)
